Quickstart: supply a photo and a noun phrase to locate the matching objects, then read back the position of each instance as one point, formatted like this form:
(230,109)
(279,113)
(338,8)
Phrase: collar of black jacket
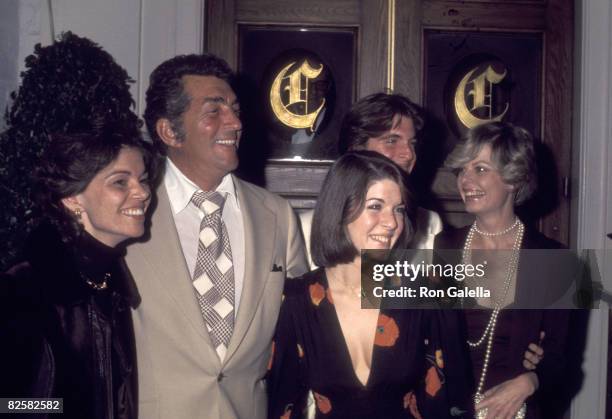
(63,269)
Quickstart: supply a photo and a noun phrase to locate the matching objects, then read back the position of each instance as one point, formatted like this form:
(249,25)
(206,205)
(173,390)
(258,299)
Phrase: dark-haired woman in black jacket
(65,325)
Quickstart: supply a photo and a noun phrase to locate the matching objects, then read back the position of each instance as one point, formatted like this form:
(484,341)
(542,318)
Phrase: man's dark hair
(72,161)
(70,86)
(342,199)
(374,115)
(166,96)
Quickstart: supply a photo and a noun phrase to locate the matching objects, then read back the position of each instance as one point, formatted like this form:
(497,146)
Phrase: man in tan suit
(205,324)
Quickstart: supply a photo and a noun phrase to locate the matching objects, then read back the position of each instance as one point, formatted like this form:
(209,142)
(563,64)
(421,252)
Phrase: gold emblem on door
(475,97)
(290,98)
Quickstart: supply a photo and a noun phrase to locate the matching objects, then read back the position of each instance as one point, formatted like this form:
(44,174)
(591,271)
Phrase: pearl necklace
(489,331)
(499,233)
(512,267)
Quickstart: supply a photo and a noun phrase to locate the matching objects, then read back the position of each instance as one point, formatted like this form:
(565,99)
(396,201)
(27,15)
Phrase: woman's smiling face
(114,203)
(481,186)
(381,221)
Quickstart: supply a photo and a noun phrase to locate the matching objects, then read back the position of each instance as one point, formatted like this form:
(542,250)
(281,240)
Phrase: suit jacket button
(220,377)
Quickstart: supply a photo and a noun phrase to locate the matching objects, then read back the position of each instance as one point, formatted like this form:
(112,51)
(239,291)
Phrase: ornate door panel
(290,42)
(518,56)
(325,54)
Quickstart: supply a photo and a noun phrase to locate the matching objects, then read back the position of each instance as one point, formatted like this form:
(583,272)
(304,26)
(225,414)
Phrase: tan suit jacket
(180,374)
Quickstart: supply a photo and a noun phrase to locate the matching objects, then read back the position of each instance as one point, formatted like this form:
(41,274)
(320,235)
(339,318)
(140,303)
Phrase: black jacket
(527,323)
(61,337)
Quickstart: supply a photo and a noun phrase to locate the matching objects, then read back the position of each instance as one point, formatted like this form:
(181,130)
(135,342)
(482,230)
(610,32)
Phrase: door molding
(593,218)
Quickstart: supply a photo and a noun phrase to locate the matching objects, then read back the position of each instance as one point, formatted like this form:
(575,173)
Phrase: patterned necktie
(213,276)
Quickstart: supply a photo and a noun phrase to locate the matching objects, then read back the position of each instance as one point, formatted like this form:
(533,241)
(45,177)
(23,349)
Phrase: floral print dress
(408,377)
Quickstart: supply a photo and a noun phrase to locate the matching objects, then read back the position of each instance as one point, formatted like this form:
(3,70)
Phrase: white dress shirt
(187,219)
(428,224)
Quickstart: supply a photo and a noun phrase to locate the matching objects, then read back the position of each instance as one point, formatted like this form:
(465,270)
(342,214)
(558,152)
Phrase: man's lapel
(259,237)
(168,262)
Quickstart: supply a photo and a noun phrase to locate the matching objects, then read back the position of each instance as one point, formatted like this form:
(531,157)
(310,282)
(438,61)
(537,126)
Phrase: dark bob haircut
(166,97)
(71,162)
(342,200)
(374,115)
(512,152)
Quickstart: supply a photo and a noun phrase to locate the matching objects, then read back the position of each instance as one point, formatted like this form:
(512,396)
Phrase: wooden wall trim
(557,107)
(408,51)
(344,12)
(483,15)
(373,38)
(298,182)
(220,30)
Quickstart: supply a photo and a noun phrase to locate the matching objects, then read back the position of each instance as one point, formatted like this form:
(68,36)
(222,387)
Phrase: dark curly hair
(71,162)
(166,97)
(372,116)
(72,85)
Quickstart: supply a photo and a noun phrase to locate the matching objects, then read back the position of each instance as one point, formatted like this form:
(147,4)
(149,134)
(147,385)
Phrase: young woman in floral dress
(361,363)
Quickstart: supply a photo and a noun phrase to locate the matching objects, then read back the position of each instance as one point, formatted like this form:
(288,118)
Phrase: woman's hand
(504,400)
(534,354)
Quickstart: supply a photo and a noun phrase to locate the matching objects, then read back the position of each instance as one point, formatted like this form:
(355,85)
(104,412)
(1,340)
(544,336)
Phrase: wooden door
(392,38)
(546,25)
(300,181)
